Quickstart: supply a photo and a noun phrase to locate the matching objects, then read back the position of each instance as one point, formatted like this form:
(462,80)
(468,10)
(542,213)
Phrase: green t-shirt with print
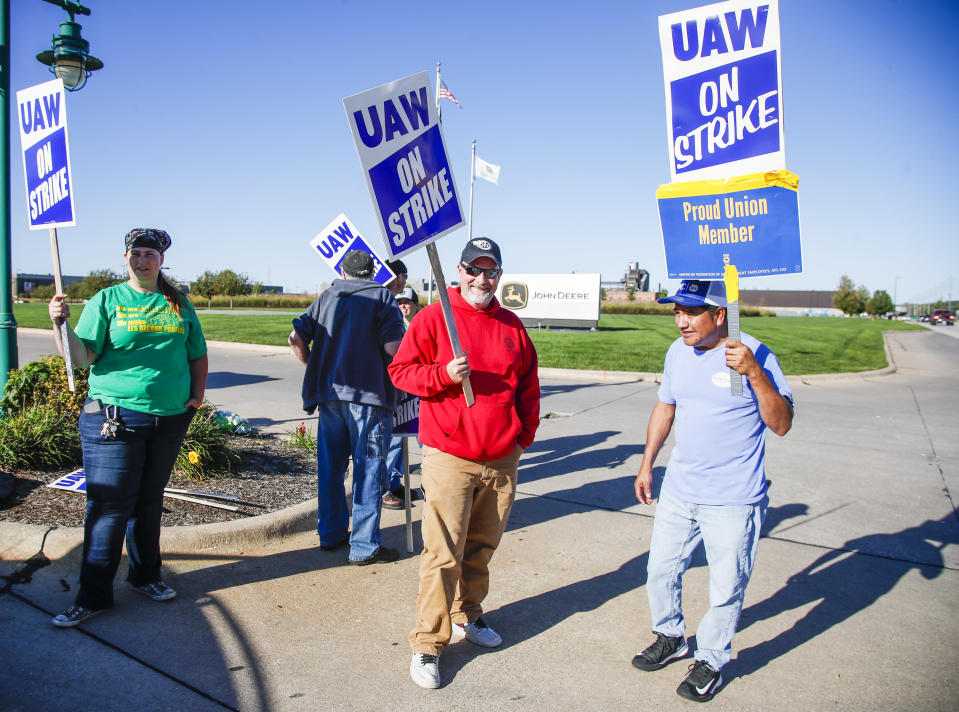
(145,349)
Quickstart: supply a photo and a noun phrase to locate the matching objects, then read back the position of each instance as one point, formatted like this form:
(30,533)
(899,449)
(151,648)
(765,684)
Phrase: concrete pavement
(852,604)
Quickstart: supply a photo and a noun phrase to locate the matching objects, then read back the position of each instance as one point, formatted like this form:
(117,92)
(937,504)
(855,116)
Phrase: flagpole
(439,120)
(469,229)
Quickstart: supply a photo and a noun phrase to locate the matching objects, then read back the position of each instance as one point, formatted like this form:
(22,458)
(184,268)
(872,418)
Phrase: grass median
(623,342)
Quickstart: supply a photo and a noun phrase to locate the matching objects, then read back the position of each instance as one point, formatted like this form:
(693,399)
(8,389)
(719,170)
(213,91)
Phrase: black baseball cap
(481,247)
(358,263)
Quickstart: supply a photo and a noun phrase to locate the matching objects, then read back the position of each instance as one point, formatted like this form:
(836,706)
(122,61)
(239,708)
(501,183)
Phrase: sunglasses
(477,271)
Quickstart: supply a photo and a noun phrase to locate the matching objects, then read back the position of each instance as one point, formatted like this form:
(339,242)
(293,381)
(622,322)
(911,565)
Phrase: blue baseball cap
(698,293)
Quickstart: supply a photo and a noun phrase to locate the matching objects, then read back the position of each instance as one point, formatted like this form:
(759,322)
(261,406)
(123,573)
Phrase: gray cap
(408,295)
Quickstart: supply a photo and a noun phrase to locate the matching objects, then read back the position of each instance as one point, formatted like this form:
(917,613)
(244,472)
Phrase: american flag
(447,94)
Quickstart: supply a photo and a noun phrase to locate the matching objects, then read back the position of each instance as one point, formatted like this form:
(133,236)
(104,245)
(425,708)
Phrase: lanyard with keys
(110,425)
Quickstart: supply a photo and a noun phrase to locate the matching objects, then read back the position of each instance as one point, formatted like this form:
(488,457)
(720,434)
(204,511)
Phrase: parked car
(942,316)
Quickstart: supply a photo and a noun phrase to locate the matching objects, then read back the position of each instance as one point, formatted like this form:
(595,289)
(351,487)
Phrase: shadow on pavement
(228,379)
(563,455)
(843,582)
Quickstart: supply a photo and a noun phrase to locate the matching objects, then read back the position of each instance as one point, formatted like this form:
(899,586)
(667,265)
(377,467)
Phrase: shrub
(206,453)
(38,426)
(44,382)
(42,437)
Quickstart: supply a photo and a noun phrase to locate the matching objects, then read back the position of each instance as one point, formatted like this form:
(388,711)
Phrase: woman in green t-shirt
(148,374)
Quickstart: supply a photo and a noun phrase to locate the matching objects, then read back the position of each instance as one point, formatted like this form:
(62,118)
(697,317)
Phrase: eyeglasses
(477,271)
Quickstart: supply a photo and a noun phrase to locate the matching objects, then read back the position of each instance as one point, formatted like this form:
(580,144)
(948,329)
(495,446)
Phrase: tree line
(225,283)
(853,300)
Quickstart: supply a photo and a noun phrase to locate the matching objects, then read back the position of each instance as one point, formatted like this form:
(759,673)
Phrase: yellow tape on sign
(770,179)
(731,278)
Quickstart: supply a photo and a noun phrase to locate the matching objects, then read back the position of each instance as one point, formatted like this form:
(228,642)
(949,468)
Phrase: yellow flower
(194,457)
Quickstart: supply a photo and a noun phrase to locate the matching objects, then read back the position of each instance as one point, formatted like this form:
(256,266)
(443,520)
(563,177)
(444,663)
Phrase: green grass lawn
(623,342)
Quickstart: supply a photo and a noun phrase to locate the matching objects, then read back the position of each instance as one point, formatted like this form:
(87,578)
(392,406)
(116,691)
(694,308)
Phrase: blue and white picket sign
(406,420)
(341,236)
(75,482)
(751,222)
(407,169)
(723,80)
(42,117)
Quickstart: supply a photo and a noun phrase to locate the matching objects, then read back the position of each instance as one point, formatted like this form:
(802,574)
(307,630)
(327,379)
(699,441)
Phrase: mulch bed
(270,476)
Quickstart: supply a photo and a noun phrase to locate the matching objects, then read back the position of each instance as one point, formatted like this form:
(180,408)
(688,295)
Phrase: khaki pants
(464,516)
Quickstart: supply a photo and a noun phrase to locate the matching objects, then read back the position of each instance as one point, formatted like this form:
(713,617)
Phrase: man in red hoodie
(470,455)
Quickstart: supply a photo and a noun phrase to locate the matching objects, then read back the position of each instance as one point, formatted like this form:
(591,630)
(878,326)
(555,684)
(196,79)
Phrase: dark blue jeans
(125,480)
(363,432)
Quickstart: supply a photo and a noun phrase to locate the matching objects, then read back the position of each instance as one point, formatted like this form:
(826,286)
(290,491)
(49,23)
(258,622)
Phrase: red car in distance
(942,316)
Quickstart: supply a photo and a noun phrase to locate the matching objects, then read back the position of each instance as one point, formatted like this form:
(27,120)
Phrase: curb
(21,541)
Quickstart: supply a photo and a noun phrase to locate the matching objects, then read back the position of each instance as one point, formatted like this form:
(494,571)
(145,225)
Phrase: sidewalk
(852,604)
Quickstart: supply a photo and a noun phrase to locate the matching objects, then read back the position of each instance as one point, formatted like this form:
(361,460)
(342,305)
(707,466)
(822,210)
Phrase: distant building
(26,283)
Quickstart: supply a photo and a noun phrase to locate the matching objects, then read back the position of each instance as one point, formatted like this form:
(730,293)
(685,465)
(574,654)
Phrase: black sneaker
(384,554)
(74,616)
(157,590)
(336,544)
(701,683)
(660,653)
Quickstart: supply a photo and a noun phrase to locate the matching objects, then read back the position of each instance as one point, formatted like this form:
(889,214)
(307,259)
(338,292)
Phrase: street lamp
(70,60)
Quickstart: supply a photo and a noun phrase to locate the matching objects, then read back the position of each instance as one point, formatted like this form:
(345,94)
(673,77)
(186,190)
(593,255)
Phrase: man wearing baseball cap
(346,337)
(470,455)
(714,489)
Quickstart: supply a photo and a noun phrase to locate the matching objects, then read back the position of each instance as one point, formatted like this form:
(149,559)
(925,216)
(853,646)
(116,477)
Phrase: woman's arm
(199,367)
(79,353)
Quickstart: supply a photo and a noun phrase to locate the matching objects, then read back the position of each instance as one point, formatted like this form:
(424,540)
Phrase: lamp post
(70,60)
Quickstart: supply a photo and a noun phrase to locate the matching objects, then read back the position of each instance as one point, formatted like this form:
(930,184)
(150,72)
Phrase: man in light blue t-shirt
(714,490)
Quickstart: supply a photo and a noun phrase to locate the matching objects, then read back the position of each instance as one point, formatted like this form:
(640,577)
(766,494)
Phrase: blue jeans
(394,464)
(125,480)
(364,432)
(731,537)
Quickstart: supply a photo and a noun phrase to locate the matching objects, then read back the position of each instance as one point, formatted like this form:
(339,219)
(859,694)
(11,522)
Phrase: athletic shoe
(74,616)
(157,590)
(425,670)
(478,633)
(383,555)
(660,653)
(701,683)
(391,501)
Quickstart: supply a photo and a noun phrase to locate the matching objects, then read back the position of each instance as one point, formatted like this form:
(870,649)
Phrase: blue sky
(223,123)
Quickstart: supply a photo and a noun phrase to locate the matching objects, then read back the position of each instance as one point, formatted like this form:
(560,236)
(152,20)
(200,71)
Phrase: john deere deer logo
(514,295)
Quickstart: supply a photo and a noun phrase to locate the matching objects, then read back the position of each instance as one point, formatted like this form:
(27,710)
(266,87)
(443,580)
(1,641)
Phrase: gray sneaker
(74,616)
(157,590)
(425,670)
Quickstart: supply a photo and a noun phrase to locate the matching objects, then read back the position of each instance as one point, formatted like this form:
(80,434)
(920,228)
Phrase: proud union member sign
(42,117)
(723,80)
(404,159)
(751,220)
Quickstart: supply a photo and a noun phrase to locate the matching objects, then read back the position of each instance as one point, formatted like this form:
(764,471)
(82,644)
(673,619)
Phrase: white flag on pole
(486,171)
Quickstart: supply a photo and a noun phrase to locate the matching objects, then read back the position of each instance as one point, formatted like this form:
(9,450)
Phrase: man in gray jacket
(346,339)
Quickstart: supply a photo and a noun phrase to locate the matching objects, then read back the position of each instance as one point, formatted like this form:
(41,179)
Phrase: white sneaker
(425,670)
(478,633)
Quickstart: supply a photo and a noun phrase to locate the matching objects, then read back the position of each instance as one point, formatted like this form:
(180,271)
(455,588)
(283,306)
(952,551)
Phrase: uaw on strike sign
(404,159)
(724,109)
(732,201)
(42,117)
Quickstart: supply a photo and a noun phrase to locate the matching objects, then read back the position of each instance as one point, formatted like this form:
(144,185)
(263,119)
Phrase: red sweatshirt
(503,373)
